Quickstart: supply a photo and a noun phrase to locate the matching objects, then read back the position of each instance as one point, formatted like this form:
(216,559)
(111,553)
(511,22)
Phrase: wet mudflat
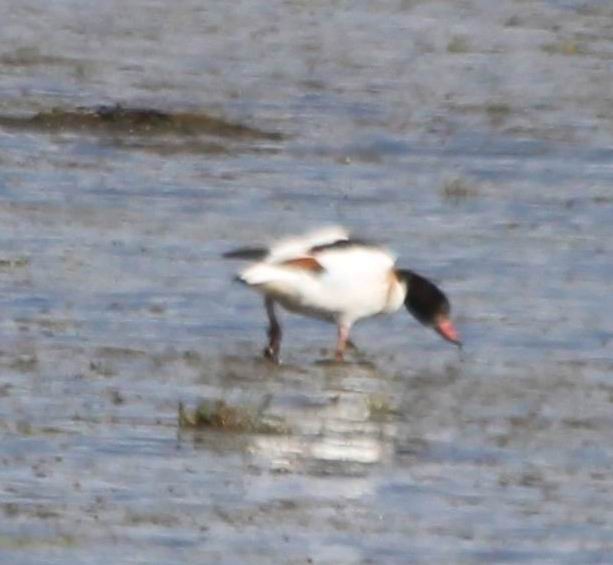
(137,143)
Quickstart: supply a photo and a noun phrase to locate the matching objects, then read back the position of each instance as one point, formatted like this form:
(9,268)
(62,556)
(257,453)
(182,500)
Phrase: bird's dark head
(429,305)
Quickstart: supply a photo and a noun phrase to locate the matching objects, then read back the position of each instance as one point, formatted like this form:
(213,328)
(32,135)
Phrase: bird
(329,275)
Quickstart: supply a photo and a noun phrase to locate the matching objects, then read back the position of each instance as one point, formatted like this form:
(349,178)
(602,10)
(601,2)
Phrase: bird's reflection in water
(342,424)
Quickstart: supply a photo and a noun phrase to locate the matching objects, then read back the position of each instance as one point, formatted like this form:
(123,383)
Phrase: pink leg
(341,342)
(274,332)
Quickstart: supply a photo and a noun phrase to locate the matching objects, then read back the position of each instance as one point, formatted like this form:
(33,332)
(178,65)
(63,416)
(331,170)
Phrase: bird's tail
(259,274)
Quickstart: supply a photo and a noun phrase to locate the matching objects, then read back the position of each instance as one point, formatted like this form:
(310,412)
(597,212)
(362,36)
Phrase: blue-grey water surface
(473,137)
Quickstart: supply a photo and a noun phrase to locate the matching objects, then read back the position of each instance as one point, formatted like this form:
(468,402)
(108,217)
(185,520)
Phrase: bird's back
(327,280)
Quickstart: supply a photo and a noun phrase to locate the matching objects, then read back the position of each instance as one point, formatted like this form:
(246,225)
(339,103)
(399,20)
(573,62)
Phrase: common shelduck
(328,275)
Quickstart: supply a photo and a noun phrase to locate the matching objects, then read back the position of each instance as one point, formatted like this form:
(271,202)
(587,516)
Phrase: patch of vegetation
(497,112)
(380,409)
(30,56)
(101,368)
(120,352)
(24,542)
(513,21)
(25,428)
(458,44)
(16,263)
(218,415)
(565,47)
(581,424)
(192,359)
(25,363)
(458,189)
(588,9)
(157,309)
(138,519)
(116,397)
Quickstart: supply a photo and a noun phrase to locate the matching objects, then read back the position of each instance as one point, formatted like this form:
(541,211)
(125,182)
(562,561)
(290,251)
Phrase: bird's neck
(397,291)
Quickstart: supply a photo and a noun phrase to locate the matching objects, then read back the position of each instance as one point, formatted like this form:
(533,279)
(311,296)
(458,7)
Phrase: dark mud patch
(118,119)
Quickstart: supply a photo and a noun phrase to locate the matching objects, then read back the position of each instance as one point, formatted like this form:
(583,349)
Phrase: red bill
(446,330)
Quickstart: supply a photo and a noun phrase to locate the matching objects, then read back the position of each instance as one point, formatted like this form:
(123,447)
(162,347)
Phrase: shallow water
(475,138)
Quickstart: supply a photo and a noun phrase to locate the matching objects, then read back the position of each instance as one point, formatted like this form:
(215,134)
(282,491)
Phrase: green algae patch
(218,415)
(380,409)
(120,119)
(565,47)
(14,263)
(458,44)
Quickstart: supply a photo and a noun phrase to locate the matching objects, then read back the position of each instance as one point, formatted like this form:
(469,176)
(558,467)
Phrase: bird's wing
(300,246)
(290,248)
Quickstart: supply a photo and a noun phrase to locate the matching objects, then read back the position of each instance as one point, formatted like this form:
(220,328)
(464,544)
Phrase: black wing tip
(253,253)
(341,244)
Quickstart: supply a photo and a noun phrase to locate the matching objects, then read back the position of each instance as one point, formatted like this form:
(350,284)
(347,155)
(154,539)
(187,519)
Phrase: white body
(355,281)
